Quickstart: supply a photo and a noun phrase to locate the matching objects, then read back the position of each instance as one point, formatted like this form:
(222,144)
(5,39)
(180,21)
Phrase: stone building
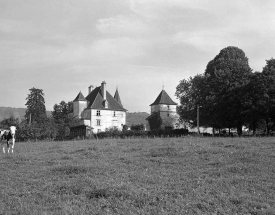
(98,111)
(163,113)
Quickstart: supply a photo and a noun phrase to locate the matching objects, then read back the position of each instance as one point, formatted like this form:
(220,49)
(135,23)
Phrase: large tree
(227,75)
(36,110)
(218,92)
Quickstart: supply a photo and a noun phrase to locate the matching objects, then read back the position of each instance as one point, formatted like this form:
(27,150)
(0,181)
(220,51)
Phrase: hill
(131,118)
(136,118)
(7,112)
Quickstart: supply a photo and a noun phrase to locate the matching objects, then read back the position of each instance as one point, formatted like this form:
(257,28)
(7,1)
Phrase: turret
(79,104)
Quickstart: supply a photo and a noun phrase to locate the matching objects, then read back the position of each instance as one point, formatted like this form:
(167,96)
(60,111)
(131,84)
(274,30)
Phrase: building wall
(168,114)
(107,119)
(79,106)
(163,107)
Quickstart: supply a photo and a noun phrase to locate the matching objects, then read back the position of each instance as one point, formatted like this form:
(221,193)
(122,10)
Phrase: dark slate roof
(117,97)
(95,100)
(163,98)
(79,97)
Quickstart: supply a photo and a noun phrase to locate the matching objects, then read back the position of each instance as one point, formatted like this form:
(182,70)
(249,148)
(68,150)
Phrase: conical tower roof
(79,97)
(163,98)
(117,97)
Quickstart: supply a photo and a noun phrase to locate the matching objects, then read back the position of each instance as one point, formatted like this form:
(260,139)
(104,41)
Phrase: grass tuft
(164,152)
(70,169)
(98,193)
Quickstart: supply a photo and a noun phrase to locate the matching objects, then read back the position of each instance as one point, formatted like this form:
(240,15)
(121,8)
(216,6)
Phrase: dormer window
(98,112)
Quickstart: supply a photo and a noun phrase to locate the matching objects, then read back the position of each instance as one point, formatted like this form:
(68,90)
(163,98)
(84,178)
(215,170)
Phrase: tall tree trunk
(254,128)
(239,130)
(267,126)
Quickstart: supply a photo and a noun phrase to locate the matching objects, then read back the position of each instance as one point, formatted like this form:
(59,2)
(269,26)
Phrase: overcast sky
(63,46)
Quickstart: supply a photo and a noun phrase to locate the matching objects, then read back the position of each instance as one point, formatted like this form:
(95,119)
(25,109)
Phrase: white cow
(8,135)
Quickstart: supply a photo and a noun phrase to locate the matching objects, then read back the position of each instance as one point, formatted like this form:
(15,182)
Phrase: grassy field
(140,176)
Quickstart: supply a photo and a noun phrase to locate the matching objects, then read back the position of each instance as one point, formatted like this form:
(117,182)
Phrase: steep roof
(79,97)
(95,100)
(163,98)
(117,97)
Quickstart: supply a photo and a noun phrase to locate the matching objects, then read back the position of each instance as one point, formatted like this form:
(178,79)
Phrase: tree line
(229,94)
(37,125)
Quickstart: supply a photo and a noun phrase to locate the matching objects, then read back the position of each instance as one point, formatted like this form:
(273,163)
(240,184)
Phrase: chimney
(90,89)
(103,90)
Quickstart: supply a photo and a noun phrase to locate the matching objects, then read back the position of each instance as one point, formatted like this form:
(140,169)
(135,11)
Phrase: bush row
(114,133)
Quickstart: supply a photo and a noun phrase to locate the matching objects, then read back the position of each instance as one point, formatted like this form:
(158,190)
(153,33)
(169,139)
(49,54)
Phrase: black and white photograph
(137,107)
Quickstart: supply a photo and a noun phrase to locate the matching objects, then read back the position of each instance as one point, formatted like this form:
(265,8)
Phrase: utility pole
(198,118)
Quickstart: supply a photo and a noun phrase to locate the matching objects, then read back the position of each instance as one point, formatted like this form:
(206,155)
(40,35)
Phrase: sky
(137,46)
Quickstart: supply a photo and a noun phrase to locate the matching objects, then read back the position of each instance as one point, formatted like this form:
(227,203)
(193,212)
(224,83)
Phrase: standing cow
(8,135)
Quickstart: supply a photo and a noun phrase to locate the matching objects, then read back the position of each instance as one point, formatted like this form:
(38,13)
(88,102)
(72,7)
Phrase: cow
(8,135)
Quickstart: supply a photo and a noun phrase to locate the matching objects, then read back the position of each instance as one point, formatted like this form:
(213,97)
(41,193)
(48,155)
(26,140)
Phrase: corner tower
(79,104)
(163,112)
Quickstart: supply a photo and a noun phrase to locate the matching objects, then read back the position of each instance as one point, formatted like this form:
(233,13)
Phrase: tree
(262,95)
(6,123)
(63,119)
(191,93)
(36,110)
(226,76)
(219,92)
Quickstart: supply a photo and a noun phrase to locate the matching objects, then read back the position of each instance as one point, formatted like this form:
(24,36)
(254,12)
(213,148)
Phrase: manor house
(98,111)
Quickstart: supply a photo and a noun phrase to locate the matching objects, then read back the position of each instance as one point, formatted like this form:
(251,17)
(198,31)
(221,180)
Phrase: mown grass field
(140,176)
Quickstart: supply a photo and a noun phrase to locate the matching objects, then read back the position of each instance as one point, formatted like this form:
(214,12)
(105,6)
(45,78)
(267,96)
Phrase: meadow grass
(189,175)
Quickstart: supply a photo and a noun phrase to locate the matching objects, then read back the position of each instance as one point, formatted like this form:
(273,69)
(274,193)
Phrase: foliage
(193,93)
(155,121)
(6,123)
(63,119)
(220,91)
(43,131)
(36,109)
(138,127)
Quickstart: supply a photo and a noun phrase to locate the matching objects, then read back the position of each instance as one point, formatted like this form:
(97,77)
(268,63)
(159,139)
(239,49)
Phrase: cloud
(122,25)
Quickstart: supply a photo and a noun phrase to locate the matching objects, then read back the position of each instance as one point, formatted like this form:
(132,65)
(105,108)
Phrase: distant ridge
(131,118)
(136,118)
(7,112)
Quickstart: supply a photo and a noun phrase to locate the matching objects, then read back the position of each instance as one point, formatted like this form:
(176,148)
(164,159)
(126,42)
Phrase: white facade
(163,107)
(99,110)
(100,120)
(78,107)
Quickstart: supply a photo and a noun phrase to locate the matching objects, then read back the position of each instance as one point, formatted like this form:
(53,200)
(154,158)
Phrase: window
(114,113)
(168,107)
(98,112)
(168,114)
(98,122)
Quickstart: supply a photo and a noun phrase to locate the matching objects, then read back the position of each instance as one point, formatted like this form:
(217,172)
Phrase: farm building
(163,113)
(98,111)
